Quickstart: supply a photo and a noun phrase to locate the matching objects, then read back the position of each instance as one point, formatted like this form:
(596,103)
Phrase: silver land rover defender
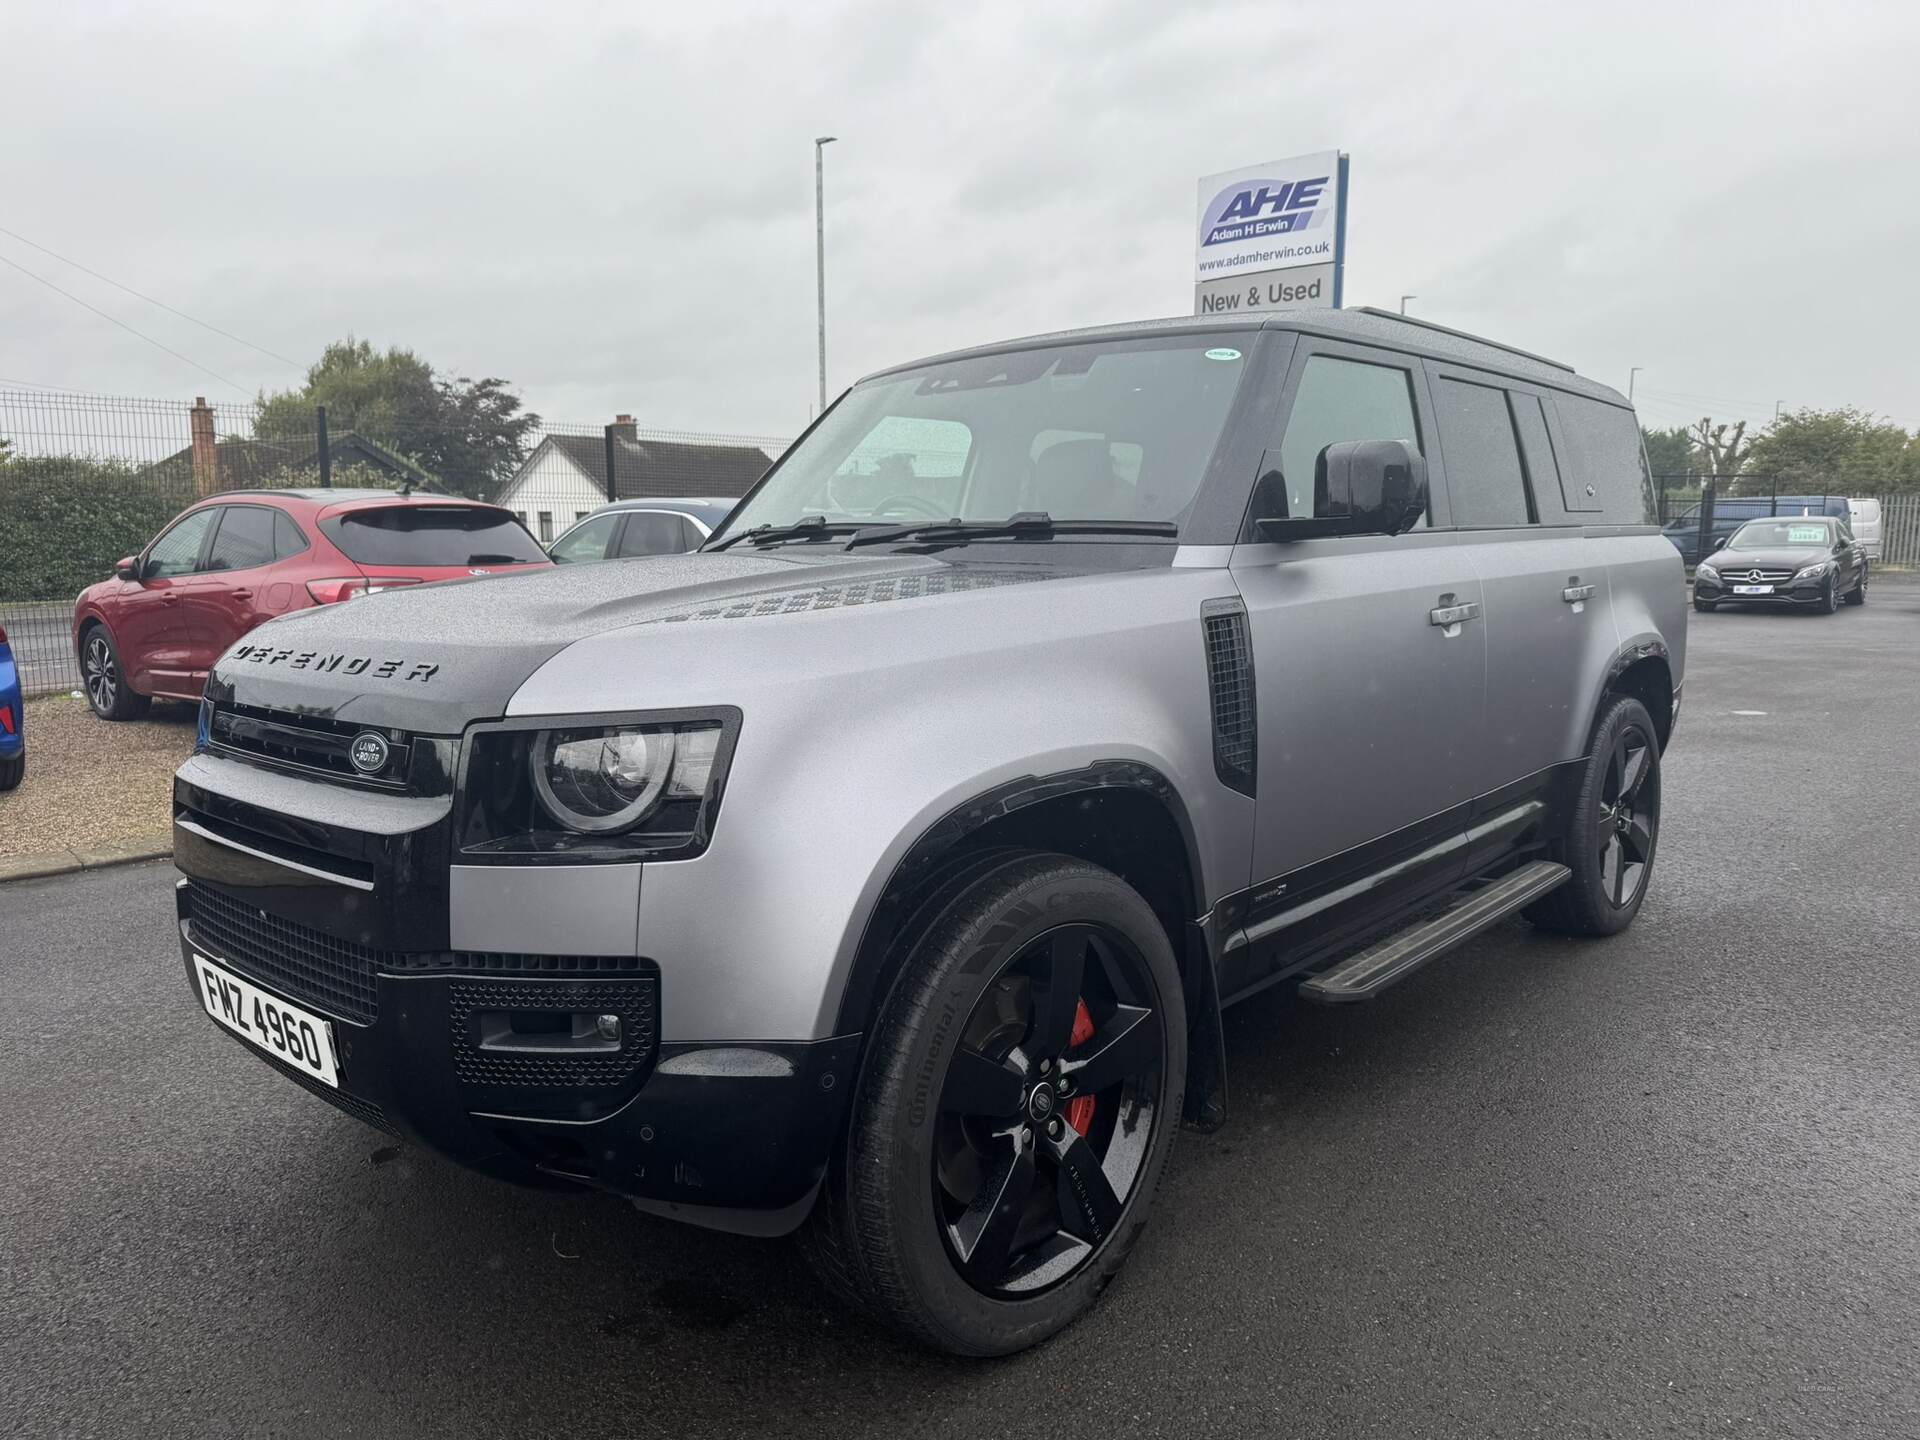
(879,871)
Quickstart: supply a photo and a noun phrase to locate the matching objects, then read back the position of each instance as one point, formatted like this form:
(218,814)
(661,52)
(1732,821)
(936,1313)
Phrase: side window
(586,542)
(1341,400)
(1484,478)
(690,536)
(287,536)
(1605,468)
(653,532)
(1536,446)
(244,540)
(177,551)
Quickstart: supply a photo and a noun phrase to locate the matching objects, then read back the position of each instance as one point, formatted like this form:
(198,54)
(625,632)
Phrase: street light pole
(1630,374)
(1403,302)
(820,249)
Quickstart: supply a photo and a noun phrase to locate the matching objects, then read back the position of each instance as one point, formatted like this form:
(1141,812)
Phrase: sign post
(1273,236)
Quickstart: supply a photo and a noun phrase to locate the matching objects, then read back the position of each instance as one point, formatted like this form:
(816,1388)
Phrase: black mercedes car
(1809,562)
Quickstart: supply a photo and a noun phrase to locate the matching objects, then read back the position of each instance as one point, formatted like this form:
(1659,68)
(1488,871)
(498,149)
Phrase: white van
(1865,517)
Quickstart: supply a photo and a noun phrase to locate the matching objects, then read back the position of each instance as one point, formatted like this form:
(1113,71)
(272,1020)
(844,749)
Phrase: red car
(245,556)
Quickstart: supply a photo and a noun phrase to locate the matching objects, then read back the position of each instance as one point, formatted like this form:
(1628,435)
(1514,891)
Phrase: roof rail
(1463,335)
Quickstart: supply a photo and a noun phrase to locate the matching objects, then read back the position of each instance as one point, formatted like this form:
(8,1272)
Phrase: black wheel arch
(1642,668)
(1122,815)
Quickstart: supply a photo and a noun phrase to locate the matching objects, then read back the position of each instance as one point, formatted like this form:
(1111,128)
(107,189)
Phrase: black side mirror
(1360,487)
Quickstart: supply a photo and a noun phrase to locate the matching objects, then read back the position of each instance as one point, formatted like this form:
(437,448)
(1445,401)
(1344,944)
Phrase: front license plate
(1753,589)
(285,1031)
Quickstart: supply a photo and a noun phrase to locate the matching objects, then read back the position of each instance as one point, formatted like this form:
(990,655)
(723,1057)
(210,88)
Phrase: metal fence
(88,479)
(1698,512)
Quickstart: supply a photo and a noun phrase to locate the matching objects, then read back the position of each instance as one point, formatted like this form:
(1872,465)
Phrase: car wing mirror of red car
(127,568)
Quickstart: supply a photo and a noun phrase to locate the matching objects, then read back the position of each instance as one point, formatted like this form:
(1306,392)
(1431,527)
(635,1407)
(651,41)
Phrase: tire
(104,678)
(997,1002)
(1858,595)
(1705,607)
(12,772)
(1830,597)
(1611,860)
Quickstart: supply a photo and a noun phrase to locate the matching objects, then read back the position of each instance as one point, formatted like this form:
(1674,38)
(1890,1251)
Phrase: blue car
(13,726)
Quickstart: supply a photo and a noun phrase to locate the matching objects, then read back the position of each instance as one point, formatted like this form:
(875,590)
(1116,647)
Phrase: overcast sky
(611,205)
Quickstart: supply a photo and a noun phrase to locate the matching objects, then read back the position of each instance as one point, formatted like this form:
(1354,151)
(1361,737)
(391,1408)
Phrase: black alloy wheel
(1830,596)
(1032,1166)
(1612,830)
(1628,812)
(1019,1096)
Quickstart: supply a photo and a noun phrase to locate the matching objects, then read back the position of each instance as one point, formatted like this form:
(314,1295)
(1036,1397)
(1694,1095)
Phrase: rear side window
(287,537)
(1341,400)
(244,540)
(587,540)
(432,535)
(1484,476)
(1604,468)
(657,532)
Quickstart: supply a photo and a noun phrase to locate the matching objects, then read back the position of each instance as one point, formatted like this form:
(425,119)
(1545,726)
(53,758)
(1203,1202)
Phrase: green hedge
(65,520)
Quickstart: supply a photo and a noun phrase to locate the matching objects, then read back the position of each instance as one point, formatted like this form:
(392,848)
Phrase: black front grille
(1230,688)
(337,976)
(1747,576)
(334,976)
(632,1000)
(309,742)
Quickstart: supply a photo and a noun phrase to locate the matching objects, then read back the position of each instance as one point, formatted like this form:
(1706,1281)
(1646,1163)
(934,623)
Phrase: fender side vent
(1230,688)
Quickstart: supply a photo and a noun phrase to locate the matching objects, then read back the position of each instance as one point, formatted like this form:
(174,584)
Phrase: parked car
(1732,511)
(1863,518)
(1813,563)
(244,557)
(13,719)
(879,871)
(640,527)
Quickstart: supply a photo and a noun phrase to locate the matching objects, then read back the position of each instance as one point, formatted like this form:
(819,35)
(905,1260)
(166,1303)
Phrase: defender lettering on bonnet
(327,664)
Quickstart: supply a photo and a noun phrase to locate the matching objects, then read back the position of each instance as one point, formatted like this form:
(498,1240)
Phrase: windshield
(1105,430)
(1782,535)
(433,535)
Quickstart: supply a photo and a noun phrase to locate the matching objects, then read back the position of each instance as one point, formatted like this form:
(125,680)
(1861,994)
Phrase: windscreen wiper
(809,527)
(1027,522)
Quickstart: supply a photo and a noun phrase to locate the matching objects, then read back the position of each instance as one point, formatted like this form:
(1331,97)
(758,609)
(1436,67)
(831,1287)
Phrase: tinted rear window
(432,535)
(1603,451)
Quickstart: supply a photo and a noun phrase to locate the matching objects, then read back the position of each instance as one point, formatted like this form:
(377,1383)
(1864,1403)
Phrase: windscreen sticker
(1223,353)
(1806,534)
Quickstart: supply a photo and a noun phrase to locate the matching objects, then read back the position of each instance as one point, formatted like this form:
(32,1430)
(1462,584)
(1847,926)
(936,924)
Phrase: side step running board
(1365,975)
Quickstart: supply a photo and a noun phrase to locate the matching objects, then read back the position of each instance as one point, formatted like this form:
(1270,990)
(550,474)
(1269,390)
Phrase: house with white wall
(565,478)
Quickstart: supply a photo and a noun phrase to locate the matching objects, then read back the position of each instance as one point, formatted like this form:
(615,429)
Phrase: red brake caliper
(1080,1108)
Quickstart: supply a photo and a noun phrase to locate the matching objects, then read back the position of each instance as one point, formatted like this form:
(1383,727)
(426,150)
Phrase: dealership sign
(1272,236)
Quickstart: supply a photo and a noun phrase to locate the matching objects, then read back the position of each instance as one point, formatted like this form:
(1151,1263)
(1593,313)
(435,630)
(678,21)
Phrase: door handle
(241,594)
(170,597)
(1454,614)
(1574,594)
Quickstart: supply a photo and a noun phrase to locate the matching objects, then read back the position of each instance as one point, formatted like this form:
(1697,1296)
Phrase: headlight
(594,788)
(1813,571)
(609,779)
(1704,571)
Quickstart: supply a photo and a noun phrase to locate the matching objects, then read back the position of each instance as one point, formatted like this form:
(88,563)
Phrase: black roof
(1366,326)
(663,469)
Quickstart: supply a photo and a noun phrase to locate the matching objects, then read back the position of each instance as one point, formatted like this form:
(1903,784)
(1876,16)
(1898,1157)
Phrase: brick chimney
(624,428)
(206,455)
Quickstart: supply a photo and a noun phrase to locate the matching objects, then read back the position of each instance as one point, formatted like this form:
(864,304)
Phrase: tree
(470,434)
(1669,452)
(1718,450)
(1843,451)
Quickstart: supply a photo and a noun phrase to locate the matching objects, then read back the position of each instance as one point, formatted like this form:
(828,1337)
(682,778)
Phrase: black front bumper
(1806,593)
(733,1131)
